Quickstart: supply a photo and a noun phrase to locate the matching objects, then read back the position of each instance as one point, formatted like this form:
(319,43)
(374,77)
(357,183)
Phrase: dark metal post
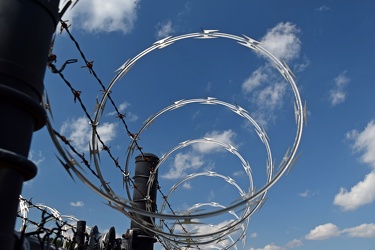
(26,28)
(141,238)
(80,234)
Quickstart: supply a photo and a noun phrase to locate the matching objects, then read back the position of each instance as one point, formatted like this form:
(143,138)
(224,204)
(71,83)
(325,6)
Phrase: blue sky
(325,202)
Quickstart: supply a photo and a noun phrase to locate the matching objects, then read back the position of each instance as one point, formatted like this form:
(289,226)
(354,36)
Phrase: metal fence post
(26,28)
(144,164)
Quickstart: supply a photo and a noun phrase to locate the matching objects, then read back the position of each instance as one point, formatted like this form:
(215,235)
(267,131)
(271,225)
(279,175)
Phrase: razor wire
(50,227)
(248,201)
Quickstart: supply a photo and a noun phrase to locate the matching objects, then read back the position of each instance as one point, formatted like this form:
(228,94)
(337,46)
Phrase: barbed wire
(42,232)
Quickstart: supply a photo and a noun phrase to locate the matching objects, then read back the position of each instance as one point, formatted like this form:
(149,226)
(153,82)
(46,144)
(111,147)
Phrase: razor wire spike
(305,114)
(285,157)
(296,113)
(265,134)
(126,69)
(293,162)
(249,45)
(184,143)
(66,167)
(231,149)
(211,98)
(161,41)
(178,104)
(215,204)
(211,173)
(288,69)
(179,101)
(230,180)
(250,40)
(242,110)
(283,71)
(122,67)
(207,34)
(165,44)
(247,167)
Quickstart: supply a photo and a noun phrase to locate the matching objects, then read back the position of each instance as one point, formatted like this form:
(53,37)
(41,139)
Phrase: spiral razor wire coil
(176,229)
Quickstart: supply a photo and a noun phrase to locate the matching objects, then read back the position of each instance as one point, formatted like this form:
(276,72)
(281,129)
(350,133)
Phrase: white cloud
(307,193)
(267,92)
(337,93)
(299,67)
(103,16)
(258,77)
(36,158)
(226,136)
(271,96)
(364,142)
(282,41)
(361,194)
(187,185)
(253,235)
(361,231)
(79,132)
(182,163)
(323,232)
(364,191)
(77,204)
(294,243)
(323,8)
(164,29)
(269,247)
(329,230)
(239,173)
(193,160)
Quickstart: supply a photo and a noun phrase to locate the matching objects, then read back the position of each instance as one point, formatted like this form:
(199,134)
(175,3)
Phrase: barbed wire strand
(121,116)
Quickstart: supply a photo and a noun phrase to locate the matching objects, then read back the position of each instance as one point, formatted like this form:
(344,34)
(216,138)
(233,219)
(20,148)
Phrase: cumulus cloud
(282,41)
(323,232)
(360,194)
(271,96)
(361,231)
(338,93)
(187,185)
(77,204)
(226,136)
(256,78)
(103,16)
(329,230)
(192,160)
(364,191)
(79,132)
(164,29)
(269,247)
(182,163)
(294,243)
(264,86)
(364,142)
